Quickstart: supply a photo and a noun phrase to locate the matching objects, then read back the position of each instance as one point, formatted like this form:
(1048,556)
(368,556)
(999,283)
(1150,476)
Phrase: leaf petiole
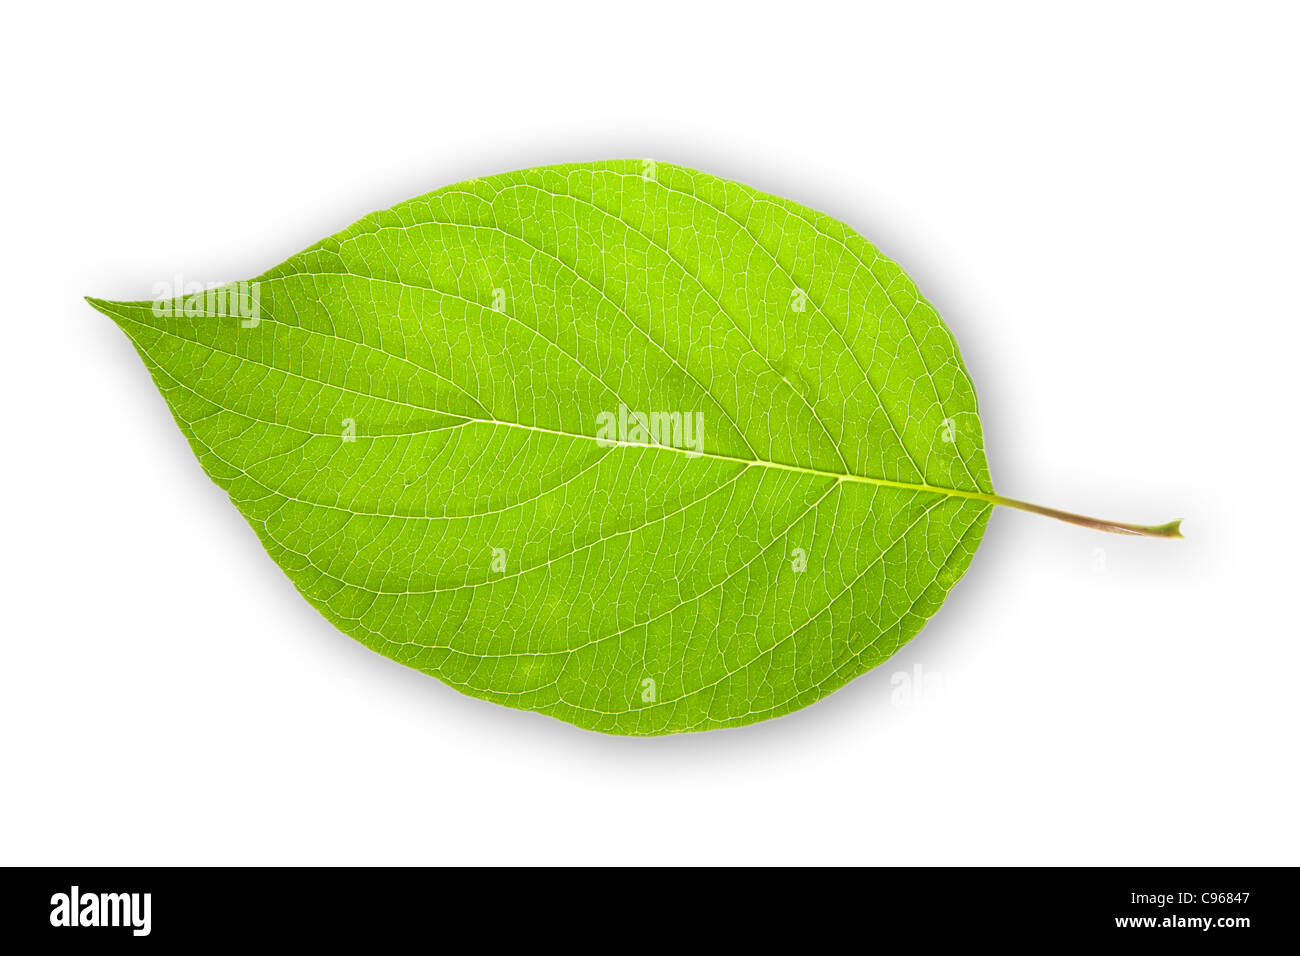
(1169,529)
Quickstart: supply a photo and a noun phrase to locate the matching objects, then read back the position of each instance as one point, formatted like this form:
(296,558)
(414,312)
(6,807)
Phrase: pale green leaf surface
(476,425)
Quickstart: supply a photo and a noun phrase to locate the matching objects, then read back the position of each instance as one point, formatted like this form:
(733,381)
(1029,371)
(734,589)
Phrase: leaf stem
(1169,529)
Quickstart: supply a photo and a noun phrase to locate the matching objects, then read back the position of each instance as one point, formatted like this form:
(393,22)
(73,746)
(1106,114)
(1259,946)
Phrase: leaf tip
(100,305)
(119,312)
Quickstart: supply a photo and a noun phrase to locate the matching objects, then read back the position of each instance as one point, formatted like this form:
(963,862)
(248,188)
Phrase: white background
(1102,204)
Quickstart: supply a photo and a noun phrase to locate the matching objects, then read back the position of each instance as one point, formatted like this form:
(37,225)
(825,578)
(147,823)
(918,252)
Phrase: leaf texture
(412,427)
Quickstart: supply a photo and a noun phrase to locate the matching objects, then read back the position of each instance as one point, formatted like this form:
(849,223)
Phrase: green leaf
(442,424)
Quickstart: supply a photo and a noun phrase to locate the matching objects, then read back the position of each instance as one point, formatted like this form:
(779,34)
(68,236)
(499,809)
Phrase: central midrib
(1169,529)
(748,462)
(987,497)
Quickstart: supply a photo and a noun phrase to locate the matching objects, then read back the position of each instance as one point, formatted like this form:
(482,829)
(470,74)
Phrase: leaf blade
(676,292)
